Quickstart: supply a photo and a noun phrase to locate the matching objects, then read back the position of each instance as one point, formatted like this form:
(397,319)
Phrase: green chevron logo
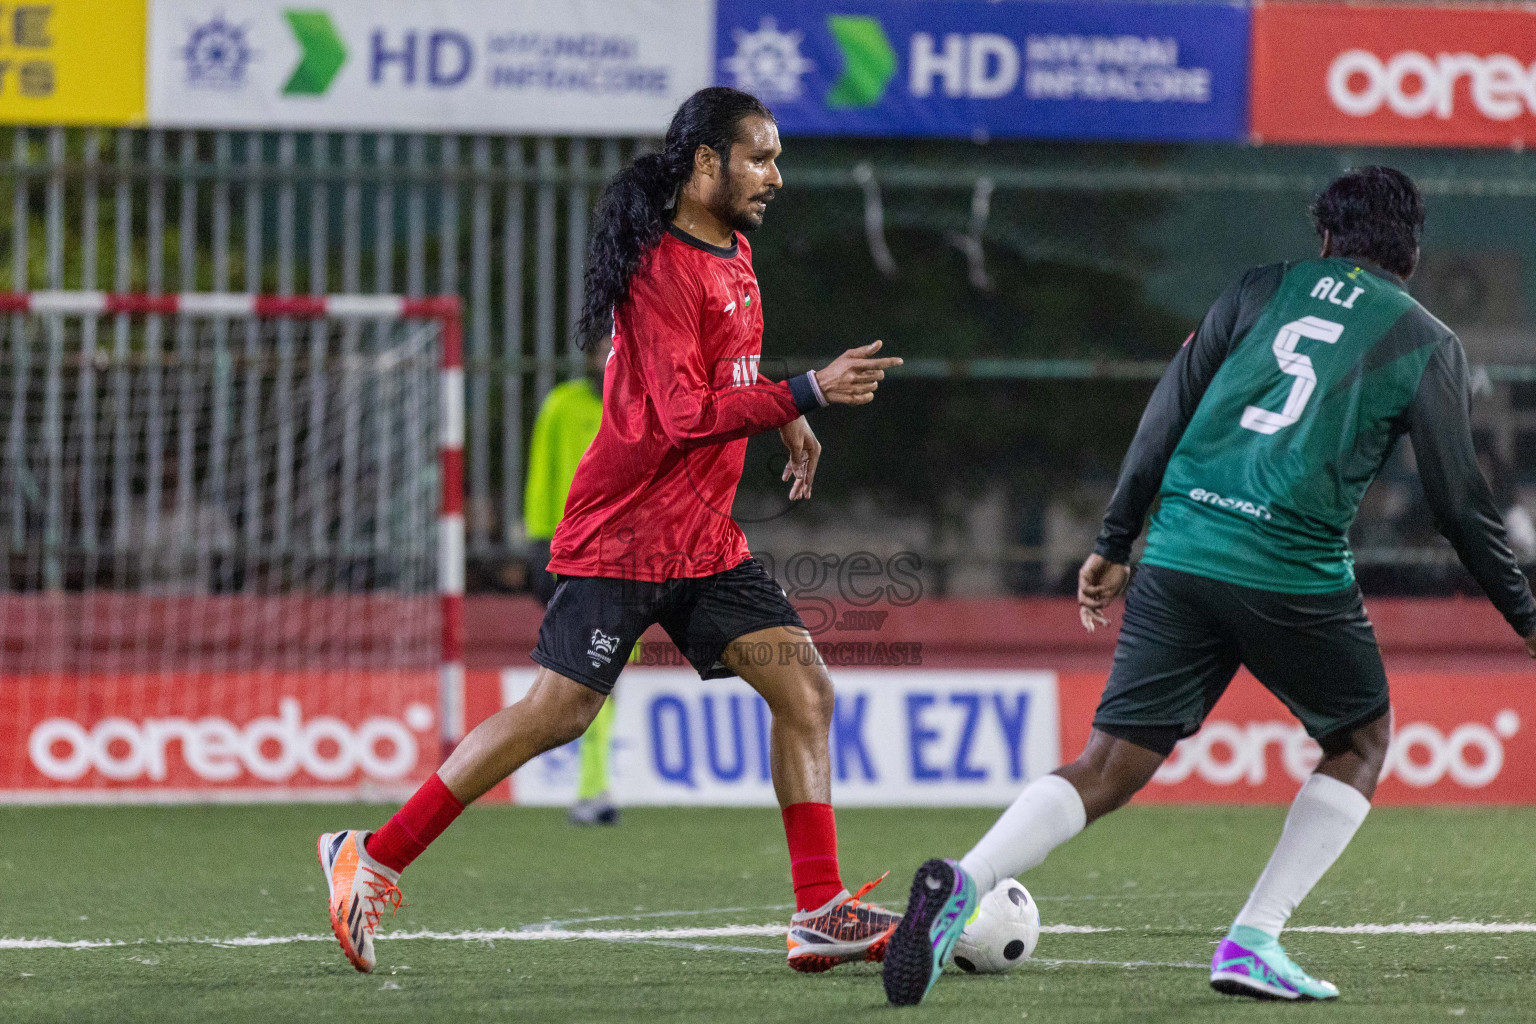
(322,53)
(869,63)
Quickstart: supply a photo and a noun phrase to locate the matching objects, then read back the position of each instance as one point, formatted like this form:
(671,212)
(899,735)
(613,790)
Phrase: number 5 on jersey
(1297,365)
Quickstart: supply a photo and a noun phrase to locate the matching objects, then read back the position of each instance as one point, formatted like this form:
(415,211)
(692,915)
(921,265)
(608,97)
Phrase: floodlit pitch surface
(678,915)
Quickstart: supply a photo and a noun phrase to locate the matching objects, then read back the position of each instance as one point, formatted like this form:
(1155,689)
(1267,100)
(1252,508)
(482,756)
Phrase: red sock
(414,826)
(812,833)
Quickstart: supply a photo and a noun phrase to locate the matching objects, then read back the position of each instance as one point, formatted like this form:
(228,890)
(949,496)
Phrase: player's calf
(1112,769)
(1355,756)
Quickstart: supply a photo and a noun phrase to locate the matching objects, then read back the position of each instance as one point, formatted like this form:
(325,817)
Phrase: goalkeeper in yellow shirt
(564,428)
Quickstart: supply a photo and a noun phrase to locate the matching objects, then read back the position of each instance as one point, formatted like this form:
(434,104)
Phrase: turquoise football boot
(1252,963)
(943,899)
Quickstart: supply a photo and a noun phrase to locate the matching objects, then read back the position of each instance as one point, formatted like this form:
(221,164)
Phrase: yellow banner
(72,62)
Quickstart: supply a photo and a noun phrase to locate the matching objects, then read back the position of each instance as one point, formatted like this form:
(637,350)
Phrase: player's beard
(737,211)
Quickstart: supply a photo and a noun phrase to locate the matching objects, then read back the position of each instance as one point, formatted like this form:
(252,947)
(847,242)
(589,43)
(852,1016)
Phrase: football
(1003,933)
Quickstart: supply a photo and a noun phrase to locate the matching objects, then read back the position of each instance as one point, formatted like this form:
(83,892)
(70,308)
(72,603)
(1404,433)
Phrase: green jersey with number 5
(1273,419)
(1268,476)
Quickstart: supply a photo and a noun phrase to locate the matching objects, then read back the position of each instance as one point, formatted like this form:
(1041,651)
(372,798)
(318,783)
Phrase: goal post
(233,536)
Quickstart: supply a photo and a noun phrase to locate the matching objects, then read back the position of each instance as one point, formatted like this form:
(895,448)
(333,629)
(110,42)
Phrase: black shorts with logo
(1184,636)
(592,622)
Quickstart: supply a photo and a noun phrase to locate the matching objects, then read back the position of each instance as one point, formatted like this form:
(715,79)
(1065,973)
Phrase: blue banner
(899,735)
(980,69)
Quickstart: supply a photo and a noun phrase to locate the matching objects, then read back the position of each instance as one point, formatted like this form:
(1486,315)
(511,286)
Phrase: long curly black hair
(632,214)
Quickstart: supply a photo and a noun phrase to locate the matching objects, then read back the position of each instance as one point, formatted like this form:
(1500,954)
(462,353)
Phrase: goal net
(225,571)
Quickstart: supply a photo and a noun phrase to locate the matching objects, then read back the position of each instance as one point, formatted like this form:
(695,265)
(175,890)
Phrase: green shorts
(1184,636)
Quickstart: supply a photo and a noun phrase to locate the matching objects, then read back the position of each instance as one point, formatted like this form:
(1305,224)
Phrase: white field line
(531,934)
(1422,928)
(1126,964)
(1117,897)
(545,933)
(652,914)
(709,947)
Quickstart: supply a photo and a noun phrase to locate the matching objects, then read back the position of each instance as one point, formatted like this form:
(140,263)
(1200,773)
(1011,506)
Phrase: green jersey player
(1257,446)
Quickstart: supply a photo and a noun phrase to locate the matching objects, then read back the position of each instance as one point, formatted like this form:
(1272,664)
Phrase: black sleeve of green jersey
(1173,404)
(1439,422)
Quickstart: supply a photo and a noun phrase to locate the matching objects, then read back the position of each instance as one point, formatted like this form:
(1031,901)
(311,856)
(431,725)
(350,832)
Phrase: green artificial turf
(1167,878)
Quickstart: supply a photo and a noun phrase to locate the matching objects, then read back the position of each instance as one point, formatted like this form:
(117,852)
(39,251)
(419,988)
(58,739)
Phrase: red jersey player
(647,535)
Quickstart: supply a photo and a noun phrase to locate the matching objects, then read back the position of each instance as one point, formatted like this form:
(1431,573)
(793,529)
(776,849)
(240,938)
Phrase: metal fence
(501,221)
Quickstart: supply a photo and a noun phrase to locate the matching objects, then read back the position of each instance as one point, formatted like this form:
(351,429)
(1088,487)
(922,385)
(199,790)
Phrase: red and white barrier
(450,533)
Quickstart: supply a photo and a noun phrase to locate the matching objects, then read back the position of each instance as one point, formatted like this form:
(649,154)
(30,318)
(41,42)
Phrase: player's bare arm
(804,454)
(850,379)
(853,377)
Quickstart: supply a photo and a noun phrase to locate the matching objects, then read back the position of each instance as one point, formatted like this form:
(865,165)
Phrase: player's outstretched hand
(1099,582)
(851,378)
(804,453)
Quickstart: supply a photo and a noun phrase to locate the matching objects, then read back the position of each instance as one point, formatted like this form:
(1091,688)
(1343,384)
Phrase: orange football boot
(843,930)
(360,888)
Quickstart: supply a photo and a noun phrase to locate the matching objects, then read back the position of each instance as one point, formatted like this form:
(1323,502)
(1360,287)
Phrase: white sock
(1322,820)
(1046,814)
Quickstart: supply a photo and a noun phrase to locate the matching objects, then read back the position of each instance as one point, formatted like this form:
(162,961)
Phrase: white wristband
(816,388)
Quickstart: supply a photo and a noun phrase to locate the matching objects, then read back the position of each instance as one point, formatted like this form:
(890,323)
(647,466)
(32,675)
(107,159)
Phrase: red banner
(1457,739)
(1405,75)
(298,735)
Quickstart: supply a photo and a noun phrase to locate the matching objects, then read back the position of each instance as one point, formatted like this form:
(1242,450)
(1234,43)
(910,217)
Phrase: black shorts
(1184,636)
(592,622)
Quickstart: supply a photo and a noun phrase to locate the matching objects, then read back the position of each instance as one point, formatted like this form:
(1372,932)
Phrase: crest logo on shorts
(602,648)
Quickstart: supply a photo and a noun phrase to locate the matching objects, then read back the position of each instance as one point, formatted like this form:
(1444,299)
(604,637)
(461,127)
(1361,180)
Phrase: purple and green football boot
(943,899)
(1252,963)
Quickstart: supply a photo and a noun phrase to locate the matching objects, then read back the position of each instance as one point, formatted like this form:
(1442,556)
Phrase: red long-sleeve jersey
(652,497)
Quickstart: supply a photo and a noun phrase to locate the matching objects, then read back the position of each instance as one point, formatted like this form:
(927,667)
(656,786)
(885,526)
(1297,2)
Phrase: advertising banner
(1405,75)
(72,62)
(899,737)
(1458,738)
(585,67)
(976,69)
(293,736)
